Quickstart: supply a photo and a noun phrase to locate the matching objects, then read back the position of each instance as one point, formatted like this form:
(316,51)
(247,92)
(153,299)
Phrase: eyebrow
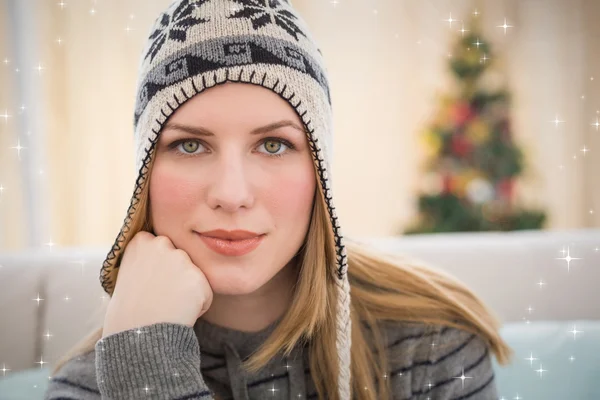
(200,131)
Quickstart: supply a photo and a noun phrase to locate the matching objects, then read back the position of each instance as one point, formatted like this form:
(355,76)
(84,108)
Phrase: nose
(230,186)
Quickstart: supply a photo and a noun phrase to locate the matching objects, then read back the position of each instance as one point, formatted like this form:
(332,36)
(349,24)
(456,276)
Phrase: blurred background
(467,135)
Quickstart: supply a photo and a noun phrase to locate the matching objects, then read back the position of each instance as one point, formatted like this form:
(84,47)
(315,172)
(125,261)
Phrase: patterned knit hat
(197,44)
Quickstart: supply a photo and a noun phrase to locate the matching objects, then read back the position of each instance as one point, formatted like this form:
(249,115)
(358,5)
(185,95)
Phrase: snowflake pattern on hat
(264,12)
(175,28)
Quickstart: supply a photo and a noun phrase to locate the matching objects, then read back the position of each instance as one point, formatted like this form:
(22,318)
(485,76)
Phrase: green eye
(189,147)
(193,147)
(274,148)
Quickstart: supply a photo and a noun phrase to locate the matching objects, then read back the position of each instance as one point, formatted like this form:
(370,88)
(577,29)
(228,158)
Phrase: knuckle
(139,237)
(181,255)
(163,240)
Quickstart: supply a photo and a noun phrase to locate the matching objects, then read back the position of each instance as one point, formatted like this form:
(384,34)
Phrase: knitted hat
(198,44)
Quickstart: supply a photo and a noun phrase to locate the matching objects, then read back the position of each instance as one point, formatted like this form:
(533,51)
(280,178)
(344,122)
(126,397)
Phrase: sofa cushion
(552,344)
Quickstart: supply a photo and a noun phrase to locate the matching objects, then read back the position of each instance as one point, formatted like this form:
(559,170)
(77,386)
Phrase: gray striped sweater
(174,361)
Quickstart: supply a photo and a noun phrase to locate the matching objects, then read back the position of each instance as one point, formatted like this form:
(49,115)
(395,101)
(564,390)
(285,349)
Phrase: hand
(156,283)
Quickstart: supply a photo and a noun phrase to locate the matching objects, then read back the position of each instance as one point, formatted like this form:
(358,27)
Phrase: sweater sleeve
(158,361)
(75,380)
(459,366)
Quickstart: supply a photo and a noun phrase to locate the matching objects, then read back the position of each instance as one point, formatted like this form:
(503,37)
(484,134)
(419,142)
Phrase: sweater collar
(212,337)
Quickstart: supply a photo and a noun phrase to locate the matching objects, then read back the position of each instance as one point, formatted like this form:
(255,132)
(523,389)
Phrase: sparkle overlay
(246,51)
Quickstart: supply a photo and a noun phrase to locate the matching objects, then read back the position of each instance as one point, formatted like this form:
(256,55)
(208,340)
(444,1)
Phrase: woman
(287,307)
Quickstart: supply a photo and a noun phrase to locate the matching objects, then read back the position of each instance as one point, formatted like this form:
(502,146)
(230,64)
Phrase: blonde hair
(384,287)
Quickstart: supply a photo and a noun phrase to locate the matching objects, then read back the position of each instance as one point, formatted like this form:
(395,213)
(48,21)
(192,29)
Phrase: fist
(156,283)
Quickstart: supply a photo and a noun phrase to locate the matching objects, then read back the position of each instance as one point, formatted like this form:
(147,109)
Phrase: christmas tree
(472,161)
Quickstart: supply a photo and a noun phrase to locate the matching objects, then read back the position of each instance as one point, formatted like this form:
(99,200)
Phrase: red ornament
(506,188)
(461,112)
(460,145)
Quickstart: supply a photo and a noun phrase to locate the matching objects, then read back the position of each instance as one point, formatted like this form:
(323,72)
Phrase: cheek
(170,191)
(292,197)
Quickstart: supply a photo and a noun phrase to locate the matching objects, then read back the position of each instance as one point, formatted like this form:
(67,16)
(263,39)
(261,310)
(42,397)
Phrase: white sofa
(503,268)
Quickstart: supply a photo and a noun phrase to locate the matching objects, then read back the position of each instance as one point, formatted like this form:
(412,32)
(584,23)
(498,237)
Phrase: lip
(236,234)
(231,247)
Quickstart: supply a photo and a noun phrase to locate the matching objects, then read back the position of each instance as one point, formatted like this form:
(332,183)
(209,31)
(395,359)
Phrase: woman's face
(229,178)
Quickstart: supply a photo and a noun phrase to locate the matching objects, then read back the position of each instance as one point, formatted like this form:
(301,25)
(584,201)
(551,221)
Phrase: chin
(232,284)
